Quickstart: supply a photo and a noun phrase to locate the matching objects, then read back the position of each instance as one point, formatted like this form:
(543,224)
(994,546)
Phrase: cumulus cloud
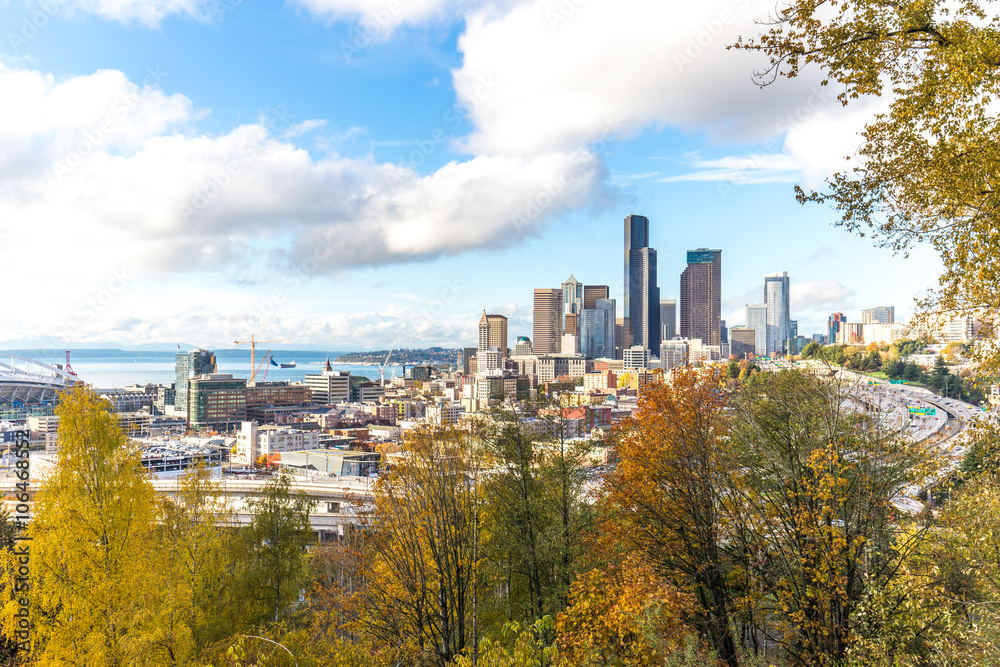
(820,295)
(100,162)
(566,73)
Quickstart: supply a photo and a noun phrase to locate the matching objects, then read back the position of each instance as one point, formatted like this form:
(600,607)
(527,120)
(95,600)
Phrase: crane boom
(253,352)
(381,369)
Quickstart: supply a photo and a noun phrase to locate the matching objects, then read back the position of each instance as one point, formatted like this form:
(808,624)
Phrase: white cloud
(749,169)
(821,143)
(100,168)
(147,12)
(378,18)
(820,295)
(307,126)
(547,75)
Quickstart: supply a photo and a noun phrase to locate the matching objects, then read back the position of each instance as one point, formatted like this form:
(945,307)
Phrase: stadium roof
(25,381)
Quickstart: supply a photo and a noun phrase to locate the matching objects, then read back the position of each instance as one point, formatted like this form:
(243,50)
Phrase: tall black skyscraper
(642,296)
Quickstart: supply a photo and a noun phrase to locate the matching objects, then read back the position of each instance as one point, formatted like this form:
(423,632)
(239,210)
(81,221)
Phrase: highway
(948,430)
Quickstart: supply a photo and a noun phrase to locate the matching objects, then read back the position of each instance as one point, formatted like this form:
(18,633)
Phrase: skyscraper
(591,293)
(493,333)
(756,316)
(776,297)
(597,327)
(572,295)
(668,319)
(191,365)
(548,321)
(642,296)
(701,296)
(833,326)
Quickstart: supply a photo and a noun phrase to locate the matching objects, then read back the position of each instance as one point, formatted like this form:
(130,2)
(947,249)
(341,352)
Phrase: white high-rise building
(756,316)
(636,357)
(776,298)
(674,353)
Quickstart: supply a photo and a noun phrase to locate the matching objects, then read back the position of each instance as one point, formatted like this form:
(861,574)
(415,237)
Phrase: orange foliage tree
(668,489)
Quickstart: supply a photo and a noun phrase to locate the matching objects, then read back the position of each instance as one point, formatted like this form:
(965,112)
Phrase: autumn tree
(194,567)
(518,646)
(623,613)
(91,532)
(925,172)
(668,489)
(951,614)
(811,519)
(418,601)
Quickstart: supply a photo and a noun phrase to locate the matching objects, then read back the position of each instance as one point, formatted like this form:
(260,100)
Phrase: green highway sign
(923,411)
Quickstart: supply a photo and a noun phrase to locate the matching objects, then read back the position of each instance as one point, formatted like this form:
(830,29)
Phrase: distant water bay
(120,370)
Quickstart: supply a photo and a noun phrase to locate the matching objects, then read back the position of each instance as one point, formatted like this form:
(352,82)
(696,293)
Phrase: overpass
(339,502)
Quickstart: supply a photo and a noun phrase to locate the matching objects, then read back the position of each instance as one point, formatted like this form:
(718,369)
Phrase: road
(948,430)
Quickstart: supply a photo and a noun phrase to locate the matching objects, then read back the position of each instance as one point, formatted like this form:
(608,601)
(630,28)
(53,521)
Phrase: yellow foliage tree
(91,538)
(418,602)
(622,615)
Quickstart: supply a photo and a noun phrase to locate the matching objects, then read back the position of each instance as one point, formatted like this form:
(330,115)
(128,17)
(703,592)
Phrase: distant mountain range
(431,355)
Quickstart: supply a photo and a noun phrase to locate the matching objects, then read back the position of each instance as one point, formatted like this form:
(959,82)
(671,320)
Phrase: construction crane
(266,366)
(381,369)
(253,353)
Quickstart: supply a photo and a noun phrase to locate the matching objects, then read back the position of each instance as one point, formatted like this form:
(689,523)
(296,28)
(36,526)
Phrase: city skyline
(175,199)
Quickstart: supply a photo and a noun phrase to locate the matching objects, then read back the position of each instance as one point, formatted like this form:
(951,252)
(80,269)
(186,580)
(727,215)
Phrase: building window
(333,508)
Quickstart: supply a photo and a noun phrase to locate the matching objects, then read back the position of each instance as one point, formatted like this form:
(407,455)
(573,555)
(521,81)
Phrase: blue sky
(349,173)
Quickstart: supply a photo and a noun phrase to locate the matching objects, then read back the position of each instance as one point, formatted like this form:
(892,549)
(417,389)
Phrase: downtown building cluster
(581,328)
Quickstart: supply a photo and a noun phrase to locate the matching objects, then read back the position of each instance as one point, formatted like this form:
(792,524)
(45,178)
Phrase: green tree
(195,558)
(926,169)
(273,557)
(536,510)
(913,373)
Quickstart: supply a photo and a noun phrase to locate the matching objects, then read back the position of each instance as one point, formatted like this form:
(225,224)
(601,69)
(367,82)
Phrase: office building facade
(742,341)
(548,321)
(833,325)
(217,401)
(493,332)
(597,330)
(701,296)
(572,291)
(674,353)
(591,293)
(191,365)
(776,298)
(879,315)
(668,319)
(756,318)
(523,347)
(635,358)
(330,387)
